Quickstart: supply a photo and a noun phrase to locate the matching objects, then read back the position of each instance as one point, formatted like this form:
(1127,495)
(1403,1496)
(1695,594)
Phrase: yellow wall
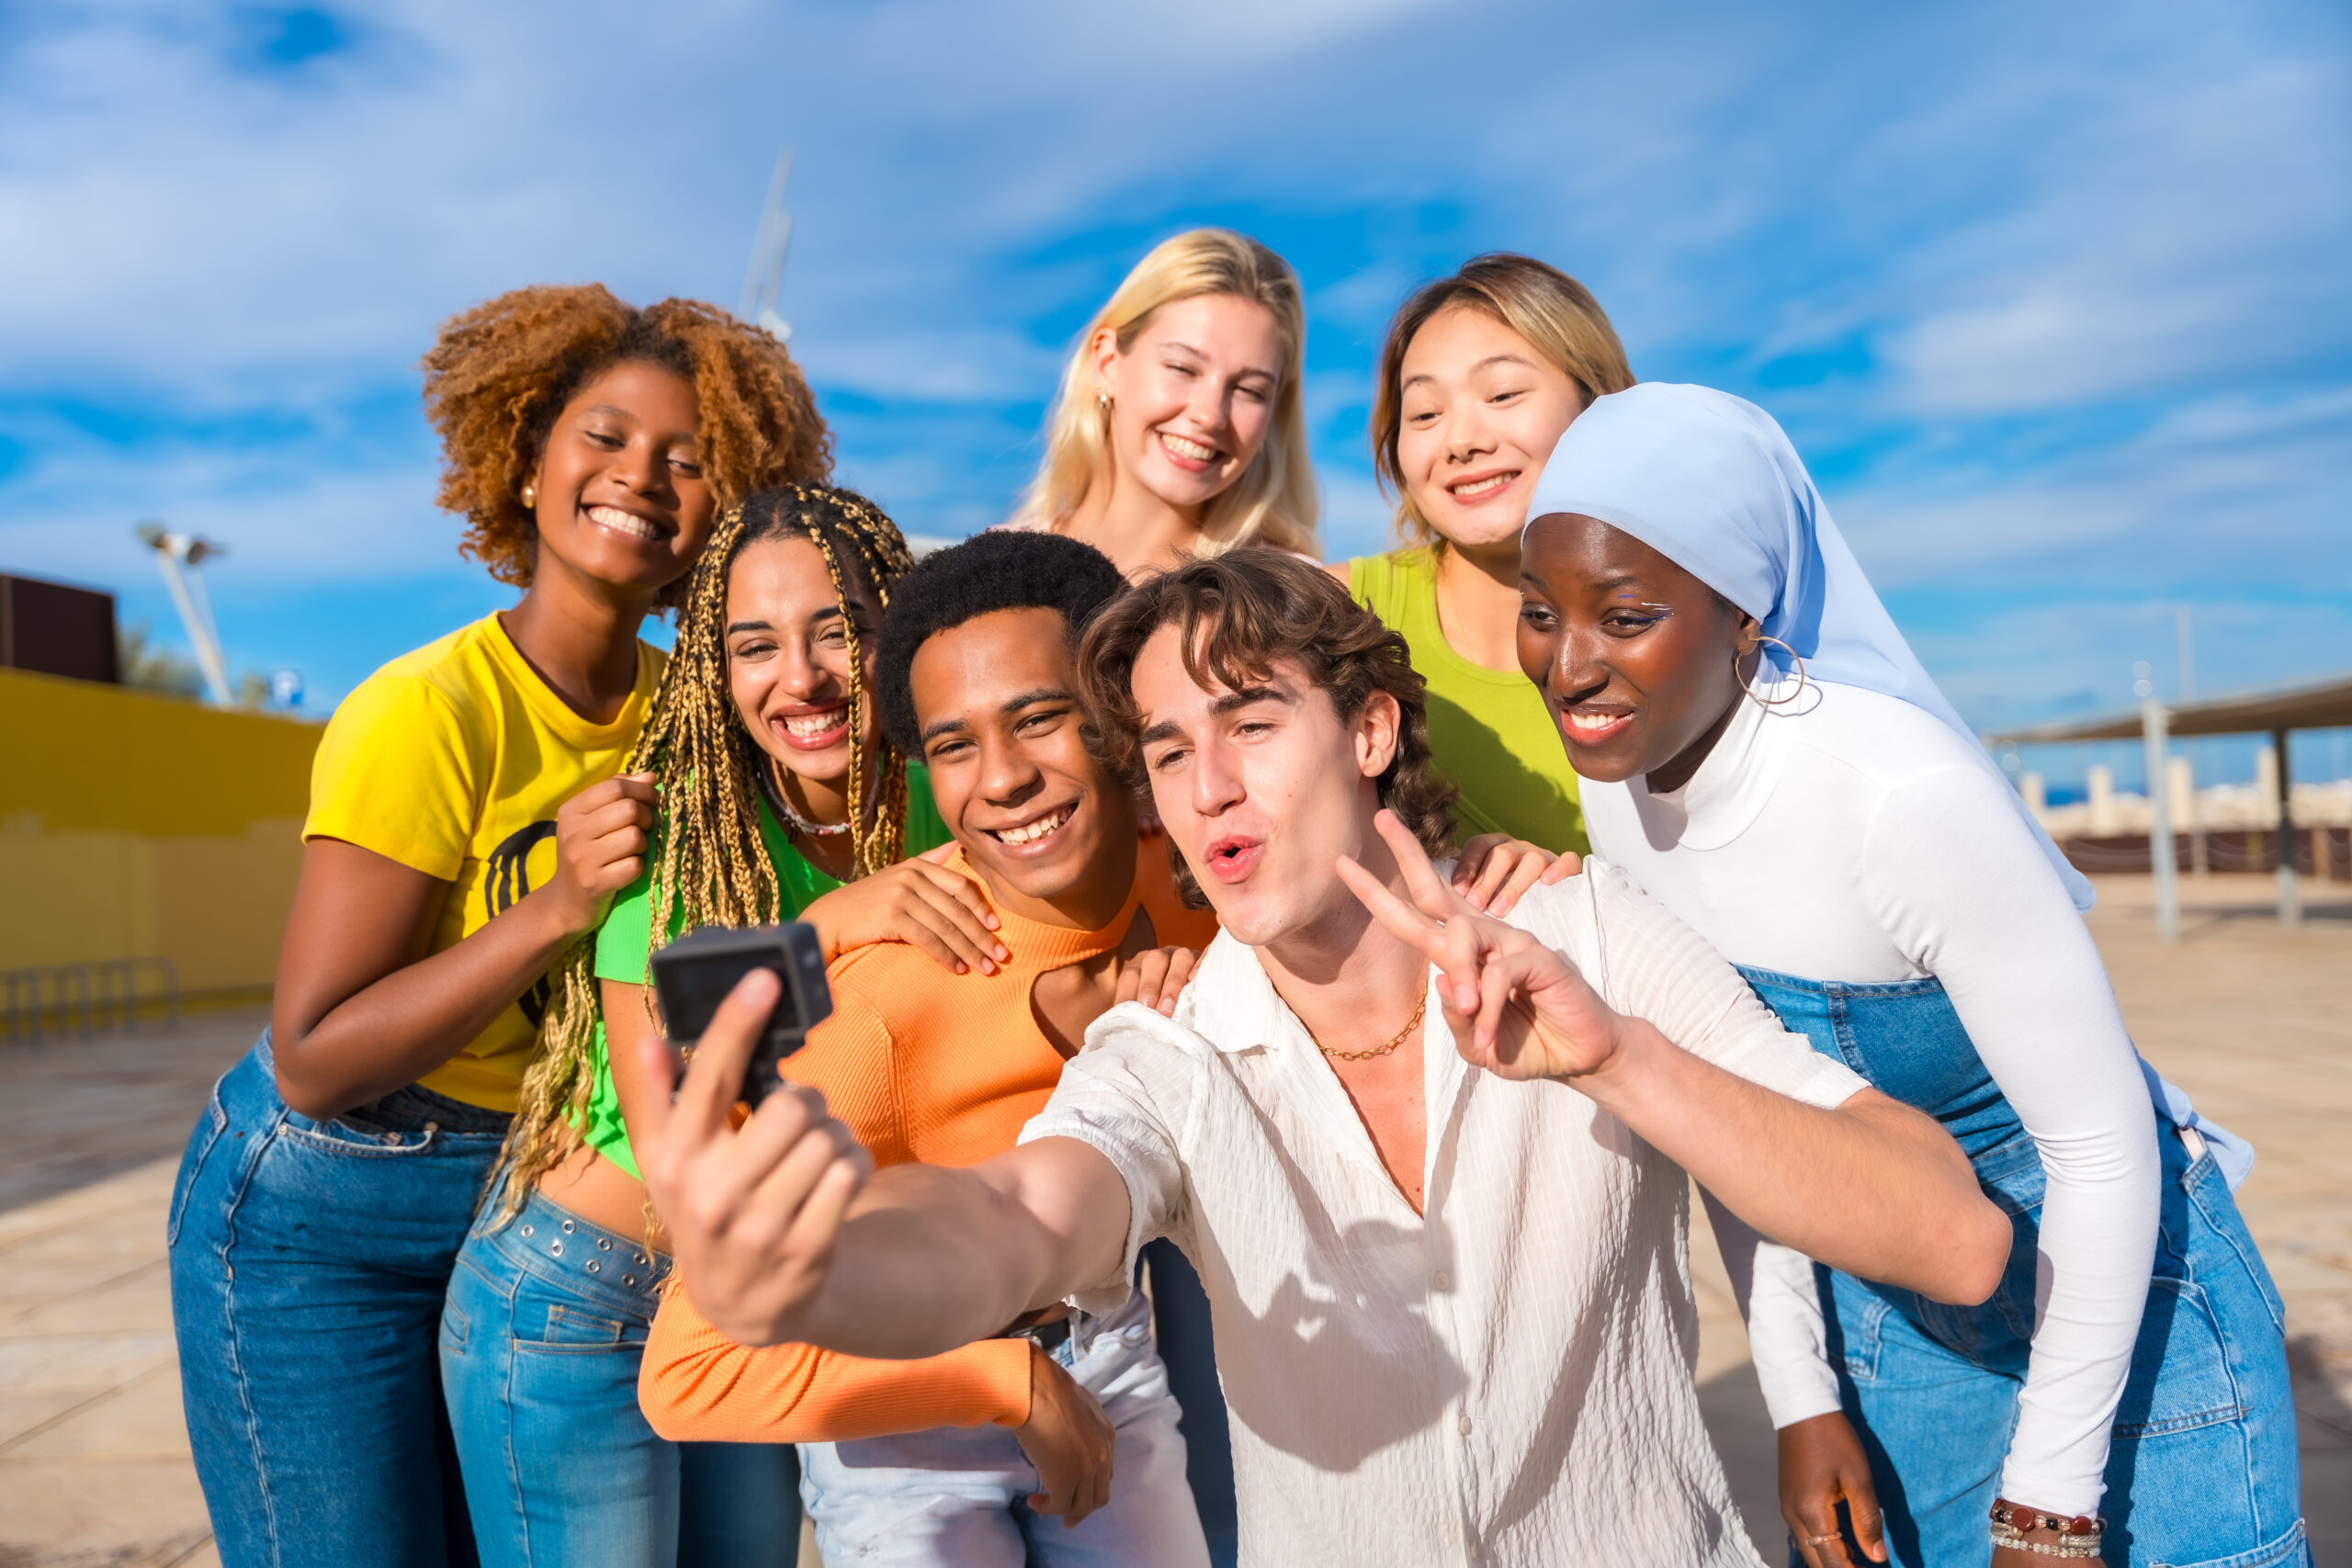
(132,824)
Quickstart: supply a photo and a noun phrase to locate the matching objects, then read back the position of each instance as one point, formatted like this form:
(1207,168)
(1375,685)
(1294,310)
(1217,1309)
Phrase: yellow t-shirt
(452,760)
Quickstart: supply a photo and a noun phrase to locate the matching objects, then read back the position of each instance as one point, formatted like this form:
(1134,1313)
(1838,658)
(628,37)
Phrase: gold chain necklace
(1394,1041)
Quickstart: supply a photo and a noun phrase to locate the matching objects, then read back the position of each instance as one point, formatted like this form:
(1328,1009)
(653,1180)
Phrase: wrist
(2044,1534)
(1033,1372)
(1624,1063)
(818,916)
(557,912)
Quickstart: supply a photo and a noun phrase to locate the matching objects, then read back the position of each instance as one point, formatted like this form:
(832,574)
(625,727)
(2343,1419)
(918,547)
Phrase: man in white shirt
(1450,1286)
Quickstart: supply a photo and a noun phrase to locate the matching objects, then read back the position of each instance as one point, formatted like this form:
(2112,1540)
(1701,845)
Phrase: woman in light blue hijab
(1762,750)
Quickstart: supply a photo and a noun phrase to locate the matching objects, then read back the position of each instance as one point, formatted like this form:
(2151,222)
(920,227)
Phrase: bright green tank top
(1489,729)
(624,941)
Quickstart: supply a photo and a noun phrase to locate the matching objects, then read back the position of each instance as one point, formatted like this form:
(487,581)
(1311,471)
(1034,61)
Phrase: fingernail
(992,922)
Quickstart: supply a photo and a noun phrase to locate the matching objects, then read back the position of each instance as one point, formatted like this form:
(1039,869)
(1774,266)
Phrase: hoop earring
(1773,701)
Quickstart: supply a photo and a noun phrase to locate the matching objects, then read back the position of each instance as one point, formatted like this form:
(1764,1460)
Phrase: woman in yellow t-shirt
(1480,375)
(465,831)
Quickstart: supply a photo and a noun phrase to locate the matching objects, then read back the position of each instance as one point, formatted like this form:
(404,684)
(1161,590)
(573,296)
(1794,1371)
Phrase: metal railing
(81,998)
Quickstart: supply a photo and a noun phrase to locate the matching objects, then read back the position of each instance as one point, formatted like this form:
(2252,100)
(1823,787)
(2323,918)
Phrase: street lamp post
(177,556)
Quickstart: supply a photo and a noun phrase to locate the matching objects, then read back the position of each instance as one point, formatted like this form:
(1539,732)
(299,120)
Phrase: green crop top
(624,941)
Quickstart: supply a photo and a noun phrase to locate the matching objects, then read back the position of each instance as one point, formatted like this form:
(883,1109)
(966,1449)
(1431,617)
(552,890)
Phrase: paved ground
(94,1469)
(93,1466)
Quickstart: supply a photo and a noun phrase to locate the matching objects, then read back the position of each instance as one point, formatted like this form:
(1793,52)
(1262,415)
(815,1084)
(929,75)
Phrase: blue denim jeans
(540,1345)
(309,1261)
(2202,1470)
(957,1496)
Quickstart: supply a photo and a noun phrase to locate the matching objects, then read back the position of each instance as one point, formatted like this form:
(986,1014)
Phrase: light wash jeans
(957,1496)
(309,1261)
(2202,1471)
(541,1340)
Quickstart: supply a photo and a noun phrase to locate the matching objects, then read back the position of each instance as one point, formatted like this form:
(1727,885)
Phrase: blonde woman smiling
(1178,430)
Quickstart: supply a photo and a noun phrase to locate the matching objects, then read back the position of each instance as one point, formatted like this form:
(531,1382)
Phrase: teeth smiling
(1485,486)
(1594,720)
(620,522)
(809,726)
(1032,832)
(1192,450)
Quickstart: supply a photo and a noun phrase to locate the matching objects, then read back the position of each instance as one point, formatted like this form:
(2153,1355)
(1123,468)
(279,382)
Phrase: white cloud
(2089,261)
(2228,484)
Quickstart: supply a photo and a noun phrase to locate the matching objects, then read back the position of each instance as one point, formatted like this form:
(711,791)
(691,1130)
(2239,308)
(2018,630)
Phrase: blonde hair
(1557,316)
(1273,501)
(707,865)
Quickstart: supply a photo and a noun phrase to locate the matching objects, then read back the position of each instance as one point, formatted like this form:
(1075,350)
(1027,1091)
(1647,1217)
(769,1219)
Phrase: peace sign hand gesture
(1517,1009)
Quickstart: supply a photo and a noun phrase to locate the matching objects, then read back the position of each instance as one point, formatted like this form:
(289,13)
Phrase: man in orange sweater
(943,1460)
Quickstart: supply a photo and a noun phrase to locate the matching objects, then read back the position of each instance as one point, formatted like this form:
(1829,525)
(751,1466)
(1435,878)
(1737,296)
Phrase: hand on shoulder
(919,902)
(1494,871)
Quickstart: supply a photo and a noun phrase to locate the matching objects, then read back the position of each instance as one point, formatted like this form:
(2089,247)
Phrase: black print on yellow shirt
(508,880)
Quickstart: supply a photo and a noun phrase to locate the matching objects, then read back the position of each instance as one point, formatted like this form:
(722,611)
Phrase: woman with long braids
(780,800)
(465,831)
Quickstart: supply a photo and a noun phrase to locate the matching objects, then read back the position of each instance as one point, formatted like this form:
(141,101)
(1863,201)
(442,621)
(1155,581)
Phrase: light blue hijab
(1711,483)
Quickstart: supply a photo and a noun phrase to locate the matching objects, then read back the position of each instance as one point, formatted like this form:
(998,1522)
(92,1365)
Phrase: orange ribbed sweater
(923,1066)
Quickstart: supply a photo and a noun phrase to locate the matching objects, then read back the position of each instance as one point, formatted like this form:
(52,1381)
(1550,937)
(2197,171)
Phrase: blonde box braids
(708,867)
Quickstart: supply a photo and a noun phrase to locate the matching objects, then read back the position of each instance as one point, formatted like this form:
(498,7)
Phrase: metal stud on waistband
(526,1230)
(628,1278)
(555,1249)
(604,1244)
(567,1227)
(594,1267)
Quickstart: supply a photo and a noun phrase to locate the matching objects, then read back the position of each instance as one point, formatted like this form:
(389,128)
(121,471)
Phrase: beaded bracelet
(2077,1537)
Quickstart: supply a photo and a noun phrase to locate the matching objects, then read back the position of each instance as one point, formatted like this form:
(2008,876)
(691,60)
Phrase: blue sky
(2053,299)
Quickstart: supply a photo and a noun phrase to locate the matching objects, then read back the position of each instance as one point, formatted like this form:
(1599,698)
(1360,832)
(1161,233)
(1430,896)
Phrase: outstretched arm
(782,1233)
(1870,1186)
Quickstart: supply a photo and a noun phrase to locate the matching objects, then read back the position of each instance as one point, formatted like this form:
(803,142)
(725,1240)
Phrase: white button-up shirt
(1505,1377)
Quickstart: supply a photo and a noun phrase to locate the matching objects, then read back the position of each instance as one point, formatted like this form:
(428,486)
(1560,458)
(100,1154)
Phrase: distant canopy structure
(2279,712)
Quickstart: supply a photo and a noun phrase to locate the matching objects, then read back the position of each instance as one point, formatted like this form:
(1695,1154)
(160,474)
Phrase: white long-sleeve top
(1849,835)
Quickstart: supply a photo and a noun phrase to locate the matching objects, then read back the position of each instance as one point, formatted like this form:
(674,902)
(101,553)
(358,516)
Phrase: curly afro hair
(499,375)
(1004,570)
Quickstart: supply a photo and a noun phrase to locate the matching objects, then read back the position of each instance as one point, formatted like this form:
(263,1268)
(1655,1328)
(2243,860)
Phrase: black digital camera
(693,975)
